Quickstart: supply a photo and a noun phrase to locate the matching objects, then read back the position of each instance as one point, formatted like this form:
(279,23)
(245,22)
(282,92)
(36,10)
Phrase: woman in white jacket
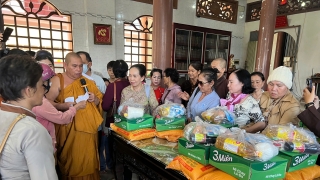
(28,152)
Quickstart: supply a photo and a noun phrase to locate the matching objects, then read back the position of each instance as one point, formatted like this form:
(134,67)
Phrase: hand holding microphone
(84,85)
(92,97)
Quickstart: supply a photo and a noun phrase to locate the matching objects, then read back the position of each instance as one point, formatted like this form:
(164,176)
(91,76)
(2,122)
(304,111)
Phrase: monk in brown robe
(77,145)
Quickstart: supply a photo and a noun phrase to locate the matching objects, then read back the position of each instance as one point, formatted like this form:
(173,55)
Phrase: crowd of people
(65,128)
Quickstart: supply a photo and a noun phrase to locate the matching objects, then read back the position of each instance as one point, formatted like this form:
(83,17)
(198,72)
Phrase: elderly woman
(278,104)
(204,97)
(245,107)
(138,92)
(28,151)
(170,79)
(257,82)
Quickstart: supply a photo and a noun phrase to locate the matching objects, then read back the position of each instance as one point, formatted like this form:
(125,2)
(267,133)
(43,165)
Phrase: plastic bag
(171,110)
(131,110)
(202,132)
(251,146)
(219,115)
(190,168)
(280,134)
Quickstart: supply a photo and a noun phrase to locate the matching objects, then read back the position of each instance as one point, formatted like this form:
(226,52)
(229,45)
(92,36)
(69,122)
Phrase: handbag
(21,116)
(113,110)
(164,99)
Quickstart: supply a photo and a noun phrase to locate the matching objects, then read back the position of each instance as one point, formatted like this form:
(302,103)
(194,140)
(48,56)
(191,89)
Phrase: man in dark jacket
(311,115)
(221,86)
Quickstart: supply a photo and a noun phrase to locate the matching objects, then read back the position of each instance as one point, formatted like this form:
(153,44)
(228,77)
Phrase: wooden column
(265,39)
(2,44)
(279,50)
(162,33)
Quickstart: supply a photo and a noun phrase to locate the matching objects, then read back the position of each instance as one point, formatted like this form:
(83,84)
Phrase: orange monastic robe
(77,144)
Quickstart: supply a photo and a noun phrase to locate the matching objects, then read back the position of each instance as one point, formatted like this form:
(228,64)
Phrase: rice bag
(308,173)
(170,135)
(189,167)
(134,135)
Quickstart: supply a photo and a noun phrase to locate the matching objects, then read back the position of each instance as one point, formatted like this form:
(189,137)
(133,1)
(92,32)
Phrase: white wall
(185,14)
(82,28)
(127,10)
(308,49)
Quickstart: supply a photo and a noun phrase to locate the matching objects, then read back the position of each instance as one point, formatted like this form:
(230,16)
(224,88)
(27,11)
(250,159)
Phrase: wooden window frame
(51,19)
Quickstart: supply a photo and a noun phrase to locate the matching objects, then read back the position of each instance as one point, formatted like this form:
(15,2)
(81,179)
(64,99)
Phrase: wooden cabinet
(198,44)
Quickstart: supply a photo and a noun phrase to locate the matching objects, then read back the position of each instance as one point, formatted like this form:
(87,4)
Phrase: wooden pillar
(265,39)
(162,33)
(2,44)
(279,50)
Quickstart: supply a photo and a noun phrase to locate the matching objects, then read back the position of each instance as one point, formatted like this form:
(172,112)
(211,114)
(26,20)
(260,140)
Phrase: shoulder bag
(113,110)
(164,99)
(21,116)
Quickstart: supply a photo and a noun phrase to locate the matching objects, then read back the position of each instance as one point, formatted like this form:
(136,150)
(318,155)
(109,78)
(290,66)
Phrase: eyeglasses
(46,90)
(202,83)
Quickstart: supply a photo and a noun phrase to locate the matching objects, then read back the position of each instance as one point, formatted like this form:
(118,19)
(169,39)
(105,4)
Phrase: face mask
(85,68)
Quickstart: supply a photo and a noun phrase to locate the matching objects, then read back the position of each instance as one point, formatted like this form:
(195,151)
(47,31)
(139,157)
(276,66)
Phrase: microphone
(84,85)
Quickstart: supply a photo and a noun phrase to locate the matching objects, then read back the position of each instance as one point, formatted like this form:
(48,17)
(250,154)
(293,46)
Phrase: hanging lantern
(283,2)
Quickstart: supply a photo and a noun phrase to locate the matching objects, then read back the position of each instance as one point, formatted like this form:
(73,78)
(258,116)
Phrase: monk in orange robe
(77,142)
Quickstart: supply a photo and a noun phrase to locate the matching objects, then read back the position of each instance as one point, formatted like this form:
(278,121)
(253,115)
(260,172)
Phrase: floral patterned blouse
(248,111)
(140,97)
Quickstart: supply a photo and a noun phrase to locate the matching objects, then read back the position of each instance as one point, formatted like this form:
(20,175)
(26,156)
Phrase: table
(146,158)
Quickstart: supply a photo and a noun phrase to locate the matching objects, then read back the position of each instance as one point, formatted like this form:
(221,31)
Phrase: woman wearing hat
(47,114)
(278,104)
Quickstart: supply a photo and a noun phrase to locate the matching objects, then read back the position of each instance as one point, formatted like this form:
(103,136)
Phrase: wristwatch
(308,105)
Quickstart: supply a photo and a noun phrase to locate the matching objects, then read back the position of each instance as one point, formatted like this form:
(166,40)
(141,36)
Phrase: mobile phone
(6,34)
(309,84)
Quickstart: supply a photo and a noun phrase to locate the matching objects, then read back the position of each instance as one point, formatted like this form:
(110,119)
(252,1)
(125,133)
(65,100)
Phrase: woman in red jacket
(156,77)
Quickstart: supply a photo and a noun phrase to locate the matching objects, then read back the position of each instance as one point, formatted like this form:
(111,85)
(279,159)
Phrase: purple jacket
(171,96)
(107,100)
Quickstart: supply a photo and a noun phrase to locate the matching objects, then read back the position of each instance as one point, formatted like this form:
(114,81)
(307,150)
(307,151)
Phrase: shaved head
(219,64)
(222,62)
(73,65)
(70,56)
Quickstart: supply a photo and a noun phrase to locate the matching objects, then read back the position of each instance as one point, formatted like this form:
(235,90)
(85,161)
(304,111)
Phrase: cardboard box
(164,124)
(229,125)
(133,124)
(241,168)
(297,161)
(197,152)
